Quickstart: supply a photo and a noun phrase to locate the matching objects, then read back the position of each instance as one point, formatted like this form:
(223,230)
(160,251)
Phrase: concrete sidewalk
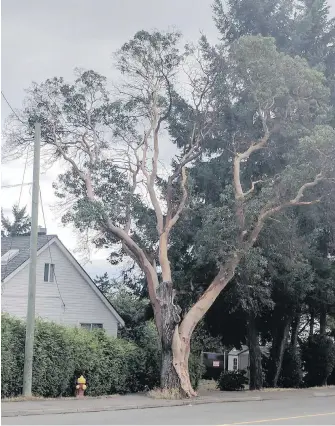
(141,401)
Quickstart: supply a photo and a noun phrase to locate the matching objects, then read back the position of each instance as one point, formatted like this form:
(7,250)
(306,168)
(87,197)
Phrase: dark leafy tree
(20,224)
(251,106)
(319,360)
(104,284)
(303,28)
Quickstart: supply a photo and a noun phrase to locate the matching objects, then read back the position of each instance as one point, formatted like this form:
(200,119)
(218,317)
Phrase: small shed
(238,359)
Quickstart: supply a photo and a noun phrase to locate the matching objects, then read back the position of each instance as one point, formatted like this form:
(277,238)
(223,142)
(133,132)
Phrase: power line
(16,185)
(54,271)
(18,206)
(7,102)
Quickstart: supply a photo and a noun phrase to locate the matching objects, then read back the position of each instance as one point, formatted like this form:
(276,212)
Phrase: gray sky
(44,38)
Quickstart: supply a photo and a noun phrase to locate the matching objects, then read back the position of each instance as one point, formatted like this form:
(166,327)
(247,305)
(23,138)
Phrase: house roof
(236,352)
(22,243)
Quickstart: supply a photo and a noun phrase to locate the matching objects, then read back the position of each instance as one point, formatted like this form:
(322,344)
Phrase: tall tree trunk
(323,320)
(169,378)
(311,324)
(175,337)
(183,332)
(169,318)
(295,331)
(280,335)
(281,350)
(181,347)
(255,355)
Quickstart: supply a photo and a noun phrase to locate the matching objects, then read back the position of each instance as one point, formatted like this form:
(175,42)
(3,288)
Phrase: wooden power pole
(30,326)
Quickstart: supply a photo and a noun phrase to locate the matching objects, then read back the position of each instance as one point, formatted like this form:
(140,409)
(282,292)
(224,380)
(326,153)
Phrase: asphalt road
(307,411)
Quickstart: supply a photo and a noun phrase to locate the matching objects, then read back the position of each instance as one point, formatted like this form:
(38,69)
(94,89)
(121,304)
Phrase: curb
(24,413)
(162,404)
(323,394)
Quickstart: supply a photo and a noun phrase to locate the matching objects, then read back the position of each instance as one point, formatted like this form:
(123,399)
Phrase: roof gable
(23,245)
(44,241)
(235,351)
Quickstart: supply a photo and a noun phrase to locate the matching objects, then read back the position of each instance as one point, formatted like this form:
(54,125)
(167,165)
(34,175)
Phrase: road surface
(304,411)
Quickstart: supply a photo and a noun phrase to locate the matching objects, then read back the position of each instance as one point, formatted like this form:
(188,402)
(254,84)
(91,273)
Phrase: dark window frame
(90,326)
(49,272)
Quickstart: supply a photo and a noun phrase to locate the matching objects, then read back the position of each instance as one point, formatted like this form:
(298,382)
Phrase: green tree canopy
(20,224)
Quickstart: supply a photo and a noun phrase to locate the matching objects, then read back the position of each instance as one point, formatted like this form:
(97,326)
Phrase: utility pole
(30,326)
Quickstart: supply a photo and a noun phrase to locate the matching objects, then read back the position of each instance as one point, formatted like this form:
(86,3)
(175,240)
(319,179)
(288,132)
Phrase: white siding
(82,304)
(243,361)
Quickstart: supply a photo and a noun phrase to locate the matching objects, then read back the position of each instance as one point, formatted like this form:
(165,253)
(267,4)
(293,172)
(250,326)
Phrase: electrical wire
(54,271)
(7,102)
(22,184)
(16,185)
(18,206)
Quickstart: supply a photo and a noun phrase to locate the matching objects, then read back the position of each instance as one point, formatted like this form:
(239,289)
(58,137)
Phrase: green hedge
(61,354)
(232,380)
(318,355)
(291,372)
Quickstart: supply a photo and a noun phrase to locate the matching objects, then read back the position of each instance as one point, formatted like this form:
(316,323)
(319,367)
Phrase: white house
(239,359)
(65,293)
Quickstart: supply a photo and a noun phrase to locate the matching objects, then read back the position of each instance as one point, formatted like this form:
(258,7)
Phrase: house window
(235,364)
(49,272)
(91,326)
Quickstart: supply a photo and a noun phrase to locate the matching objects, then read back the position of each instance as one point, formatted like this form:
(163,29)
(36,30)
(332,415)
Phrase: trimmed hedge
(291,373)
(61,354)
(232,380)
(318,355)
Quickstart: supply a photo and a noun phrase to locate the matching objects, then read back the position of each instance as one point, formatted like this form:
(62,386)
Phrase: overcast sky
(44,38)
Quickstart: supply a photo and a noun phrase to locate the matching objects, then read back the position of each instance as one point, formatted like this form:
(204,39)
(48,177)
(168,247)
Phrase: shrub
(331,378)
(61,354)
(291,373)
(146,337)
(318,354)
(232,380)
(12,355)
(196,369)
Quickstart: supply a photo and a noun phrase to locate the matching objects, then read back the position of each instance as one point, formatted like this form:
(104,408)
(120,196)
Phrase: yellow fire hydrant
(81,387)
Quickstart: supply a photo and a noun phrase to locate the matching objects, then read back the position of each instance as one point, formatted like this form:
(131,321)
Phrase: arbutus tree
(109,147)
(113,147)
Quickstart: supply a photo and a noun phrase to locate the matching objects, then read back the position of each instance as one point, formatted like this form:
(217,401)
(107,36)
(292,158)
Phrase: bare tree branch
(252,187)
(301,191)
(265,214)
(171,222)
(239,194)
(150,180)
